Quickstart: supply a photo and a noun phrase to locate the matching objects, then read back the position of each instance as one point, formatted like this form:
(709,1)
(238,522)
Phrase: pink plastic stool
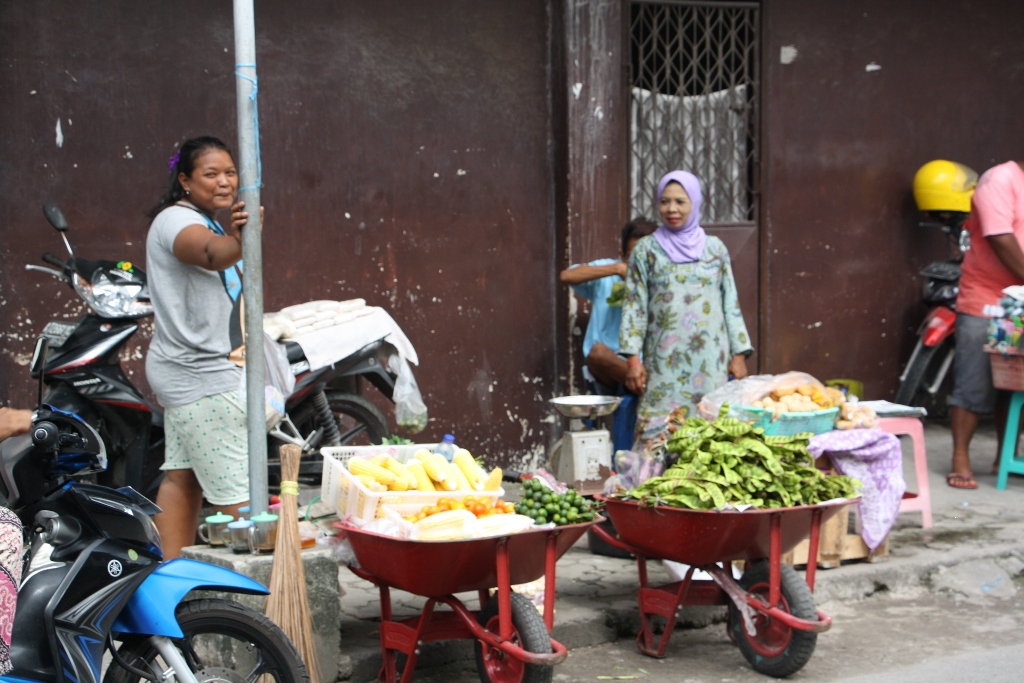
(922,500)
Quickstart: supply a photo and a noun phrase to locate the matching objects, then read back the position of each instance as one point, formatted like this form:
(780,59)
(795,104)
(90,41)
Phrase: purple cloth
(874,457)
(684,244)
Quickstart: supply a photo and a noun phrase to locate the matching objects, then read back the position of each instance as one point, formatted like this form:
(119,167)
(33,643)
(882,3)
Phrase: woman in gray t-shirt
(194,361)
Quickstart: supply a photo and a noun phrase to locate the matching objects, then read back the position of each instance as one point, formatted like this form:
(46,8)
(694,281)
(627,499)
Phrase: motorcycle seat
(294,351)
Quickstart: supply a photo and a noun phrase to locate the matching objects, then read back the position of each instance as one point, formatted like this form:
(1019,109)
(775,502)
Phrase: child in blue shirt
(604,369)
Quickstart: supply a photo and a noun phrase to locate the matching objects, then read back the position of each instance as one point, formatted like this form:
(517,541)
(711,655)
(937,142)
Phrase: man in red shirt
(994,261)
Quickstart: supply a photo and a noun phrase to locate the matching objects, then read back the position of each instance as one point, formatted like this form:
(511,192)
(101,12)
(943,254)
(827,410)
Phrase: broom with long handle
(288,604)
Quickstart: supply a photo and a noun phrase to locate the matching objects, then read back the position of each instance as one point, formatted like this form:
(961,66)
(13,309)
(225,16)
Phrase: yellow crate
(348,496)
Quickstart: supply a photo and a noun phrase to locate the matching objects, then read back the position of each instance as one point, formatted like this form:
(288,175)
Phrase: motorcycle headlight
(110,300)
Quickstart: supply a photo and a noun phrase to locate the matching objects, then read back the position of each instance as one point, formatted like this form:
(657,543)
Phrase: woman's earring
(187,193)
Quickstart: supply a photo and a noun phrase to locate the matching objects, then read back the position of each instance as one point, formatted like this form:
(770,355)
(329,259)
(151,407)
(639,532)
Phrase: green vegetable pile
(544,505)
(730,462)
(618,295)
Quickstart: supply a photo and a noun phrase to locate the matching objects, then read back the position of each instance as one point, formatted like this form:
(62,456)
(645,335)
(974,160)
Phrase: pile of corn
(426,471)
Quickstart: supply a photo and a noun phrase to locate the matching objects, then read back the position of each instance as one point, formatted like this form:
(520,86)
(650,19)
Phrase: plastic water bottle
(447,447)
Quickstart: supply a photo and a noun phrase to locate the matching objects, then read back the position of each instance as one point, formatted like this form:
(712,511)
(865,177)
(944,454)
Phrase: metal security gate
(694,96)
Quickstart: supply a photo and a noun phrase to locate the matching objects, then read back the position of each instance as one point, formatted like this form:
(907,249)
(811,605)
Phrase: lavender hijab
(684,244)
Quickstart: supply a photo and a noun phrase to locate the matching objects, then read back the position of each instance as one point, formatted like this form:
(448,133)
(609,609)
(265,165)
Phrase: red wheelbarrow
(513,642)
(772,617)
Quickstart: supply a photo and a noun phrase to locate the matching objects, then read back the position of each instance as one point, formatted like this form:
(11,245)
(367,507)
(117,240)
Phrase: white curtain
(704,134)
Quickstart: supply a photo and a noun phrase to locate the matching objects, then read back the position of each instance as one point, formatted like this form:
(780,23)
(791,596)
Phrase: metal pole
(252,286)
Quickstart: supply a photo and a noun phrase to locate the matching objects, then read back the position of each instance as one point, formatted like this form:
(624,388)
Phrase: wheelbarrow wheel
(776,649)
(528,632)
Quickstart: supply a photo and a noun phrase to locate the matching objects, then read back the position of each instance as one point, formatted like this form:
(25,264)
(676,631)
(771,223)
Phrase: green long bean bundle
(728,461)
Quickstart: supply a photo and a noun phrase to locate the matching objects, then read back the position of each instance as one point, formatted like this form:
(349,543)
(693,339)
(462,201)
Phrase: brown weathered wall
(595,92)
(841,244)
(406,156)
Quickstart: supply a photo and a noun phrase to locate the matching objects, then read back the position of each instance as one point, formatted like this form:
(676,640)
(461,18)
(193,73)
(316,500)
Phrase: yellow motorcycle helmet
(944,186)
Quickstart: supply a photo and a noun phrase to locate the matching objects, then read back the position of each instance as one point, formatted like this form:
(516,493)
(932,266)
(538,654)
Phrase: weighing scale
(582,458)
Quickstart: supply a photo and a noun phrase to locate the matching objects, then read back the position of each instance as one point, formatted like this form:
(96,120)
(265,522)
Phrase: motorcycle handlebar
(54,261)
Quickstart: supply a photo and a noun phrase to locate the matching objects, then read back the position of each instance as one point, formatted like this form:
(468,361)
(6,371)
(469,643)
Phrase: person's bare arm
(197,246)
(1008,251)
(585,273)
(14,422)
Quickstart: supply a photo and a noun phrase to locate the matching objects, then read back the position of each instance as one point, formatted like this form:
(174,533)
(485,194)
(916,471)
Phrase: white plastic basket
(348,496)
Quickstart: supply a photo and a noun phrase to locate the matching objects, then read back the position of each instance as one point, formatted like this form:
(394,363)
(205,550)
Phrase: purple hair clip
(172,163)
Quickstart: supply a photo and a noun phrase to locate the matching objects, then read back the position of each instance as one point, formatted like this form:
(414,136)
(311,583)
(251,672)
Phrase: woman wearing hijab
(681,313)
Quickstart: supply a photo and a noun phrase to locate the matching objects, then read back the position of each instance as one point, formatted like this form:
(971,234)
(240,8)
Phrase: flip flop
(961,481)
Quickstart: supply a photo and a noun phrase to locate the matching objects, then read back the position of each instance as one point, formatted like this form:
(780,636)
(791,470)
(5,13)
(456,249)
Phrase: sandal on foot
(961,481)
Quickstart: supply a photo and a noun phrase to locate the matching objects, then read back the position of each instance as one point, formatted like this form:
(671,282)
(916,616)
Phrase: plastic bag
(279,380)
(634,469)
(743,392)
(410,411)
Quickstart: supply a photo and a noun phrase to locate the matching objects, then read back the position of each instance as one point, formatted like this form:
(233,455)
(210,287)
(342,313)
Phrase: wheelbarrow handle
(511,476)
(613,541)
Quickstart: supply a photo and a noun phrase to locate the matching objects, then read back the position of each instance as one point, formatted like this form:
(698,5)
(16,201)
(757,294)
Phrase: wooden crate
(836,545)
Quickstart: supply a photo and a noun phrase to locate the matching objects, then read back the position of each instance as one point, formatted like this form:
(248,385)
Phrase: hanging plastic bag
(278,378)
(410,411)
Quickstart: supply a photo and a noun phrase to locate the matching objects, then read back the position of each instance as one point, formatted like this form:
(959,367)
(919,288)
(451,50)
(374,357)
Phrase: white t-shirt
(197,317)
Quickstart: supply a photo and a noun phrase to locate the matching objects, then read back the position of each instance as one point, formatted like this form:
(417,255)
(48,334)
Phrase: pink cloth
(997,208)
(874,457)
(10,578)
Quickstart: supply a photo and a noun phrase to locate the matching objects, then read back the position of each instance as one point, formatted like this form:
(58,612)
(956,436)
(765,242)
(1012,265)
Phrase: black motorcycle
(929,364)
(84,376)
(93,577)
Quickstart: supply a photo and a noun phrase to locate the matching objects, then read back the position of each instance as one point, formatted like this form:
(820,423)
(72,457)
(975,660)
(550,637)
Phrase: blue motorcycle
(94,581)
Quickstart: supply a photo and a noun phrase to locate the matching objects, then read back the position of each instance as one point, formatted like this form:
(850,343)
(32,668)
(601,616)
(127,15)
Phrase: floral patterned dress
(685,319)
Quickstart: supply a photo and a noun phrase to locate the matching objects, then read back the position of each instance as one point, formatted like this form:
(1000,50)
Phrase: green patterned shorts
(210,437)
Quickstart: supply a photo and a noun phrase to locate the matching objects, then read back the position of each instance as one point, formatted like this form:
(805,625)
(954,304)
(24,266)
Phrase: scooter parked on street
(84,376)
(942,190)
(93,575)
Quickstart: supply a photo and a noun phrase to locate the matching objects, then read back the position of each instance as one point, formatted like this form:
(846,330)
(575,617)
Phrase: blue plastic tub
(816,422)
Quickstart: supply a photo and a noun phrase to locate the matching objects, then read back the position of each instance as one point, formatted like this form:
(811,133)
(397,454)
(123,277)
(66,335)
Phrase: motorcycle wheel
(914,389)
(224,641)
(360,422)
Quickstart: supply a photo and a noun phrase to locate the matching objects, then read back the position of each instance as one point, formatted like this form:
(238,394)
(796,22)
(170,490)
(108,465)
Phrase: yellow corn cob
(359,466)
(461,483)
(502,525)
(450,483)
(371,483)
(474,473)
(423,482)
(401,484)
(380,459)
(445,525)
(400,471)
(493,482)
(434,470)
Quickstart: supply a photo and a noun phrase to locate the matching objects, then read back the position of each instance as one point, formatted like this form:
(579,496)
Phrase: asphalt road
(885,638)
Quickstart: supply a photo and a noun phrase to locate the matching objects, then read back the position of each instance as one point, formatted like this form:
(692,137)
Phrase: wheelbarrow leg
(654,601)
(775,561)
(550,558)
(812,549)
(398,637)
(504,591)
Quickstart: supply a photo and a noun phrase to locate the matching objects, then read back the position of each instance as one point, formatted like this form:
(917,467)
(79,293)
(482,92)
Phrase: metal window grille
(694,100)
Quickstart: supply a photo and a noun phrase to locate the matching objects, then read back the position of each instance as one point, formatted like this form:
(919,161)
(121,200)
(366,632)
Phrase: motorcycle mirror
(39,362)
(55,217)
